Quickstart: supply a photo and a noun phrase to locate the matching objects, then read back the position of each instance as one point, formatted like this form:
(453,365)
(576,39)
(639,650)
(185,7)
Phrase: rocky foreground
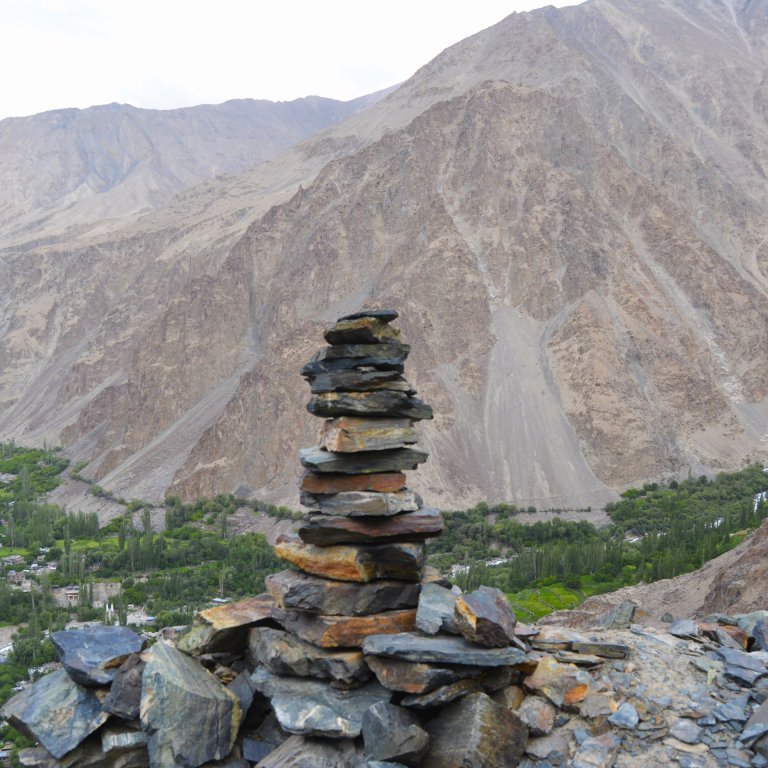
(236,689)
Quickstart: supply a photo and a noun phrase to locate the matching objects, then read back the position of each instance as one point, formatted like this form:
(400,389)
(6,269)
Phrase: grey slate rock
(312,708)
(416,678)
(92,655)
(359,381)
(302,752)
(485,616)
(363,463)
(383,357)
(301,591)
(625,716)
(684,628)
(734,710)
(392,733)
(125,693)
(56,712)
(385,315)
(686,731)
(619,617)
(89,754)
(285,654)
(488,681)
(244,689)
(435,610)
(380,764)
(189,716)
(362,503)
(477,732)
(413,646)
(380,402)
(597,752)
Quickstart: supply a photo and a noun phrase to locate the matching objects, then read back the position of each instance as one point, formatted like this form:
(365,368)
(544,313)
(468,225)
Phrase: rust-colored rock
(345,631)
(563,684)
(416,677)
(411,526)
(383,482)
(349,434)
(403,561)
(225,626)
(485,617)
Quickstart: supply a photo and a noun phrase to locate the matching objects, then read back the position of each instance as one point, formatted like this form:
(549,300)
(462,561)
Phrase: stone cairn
(363,658)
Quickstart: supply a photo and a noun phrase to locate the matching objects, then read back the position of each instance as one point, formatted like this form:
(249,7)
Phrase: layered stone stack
(361,549)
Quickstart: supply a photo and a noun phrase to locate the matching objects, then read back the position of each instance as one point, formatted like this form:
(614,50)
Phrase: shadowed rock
(125,692)
(383,482)
(360,381)
(487,681)
(89,754)
(312,708)
(436,610)
(189,716)
(485,617)
(224,627)
(363,504)
(351,434)
(414,677)
(365,463)
(56,712)
(302,591)
(402,561)
(345,631)
(411,646)
(378,403)
(477,732)
(285,654)
(92,655)
(301,752)
(324,530)
(392,733)
(386,357)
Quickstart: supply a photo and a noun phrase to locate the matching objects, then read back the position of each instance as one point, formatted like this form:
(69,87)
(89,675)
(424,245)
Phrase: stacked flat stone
(360,550)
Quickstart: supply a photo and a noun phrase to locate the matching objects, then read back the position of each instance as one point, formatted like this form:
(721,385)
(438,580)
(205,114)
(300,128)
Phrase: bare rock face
(588,213)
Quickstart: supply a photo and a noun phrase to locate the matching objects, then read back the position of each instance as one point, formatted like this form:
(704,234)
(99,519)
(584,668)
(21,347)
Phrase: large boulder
(92,655)
(475,732)
(393,733)
(56,712)
(189,716)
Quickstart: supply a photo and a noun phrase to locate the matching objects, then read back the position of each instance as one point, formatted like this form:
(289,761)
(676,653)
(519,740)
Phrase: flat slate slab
(92,655)
(416,677)
(380,402)
(224,627)
(362,503)
(56,712)
(304,592)
(285,654)
(312,708)
(345,631)
(383,357)
(412,646)
(324,530)
(383,482)
(367,462)
(356,380)
(351,434)
(355,562)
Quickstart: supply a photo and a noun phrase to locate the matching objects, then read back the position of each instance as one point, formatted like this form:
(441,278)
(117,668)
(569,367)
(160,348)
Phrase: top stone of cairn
(367,327)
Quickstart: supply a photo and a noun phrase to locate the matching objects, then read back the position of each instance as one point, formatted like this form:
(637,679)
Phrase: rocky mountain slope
(568,210)
(64,170)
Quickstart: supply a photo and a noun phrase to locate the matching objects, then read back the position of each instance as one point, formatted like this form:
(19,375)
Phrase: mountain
(69,168)
(569,211)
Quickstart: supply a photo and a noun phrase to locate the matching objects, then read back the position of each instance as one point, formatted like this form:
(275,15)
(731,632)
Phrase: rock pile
(362,658)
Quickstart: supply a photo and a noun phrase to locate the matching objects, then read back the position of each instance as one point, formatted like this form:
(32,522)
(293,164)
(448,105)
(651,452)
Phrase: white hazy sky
(171,53)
